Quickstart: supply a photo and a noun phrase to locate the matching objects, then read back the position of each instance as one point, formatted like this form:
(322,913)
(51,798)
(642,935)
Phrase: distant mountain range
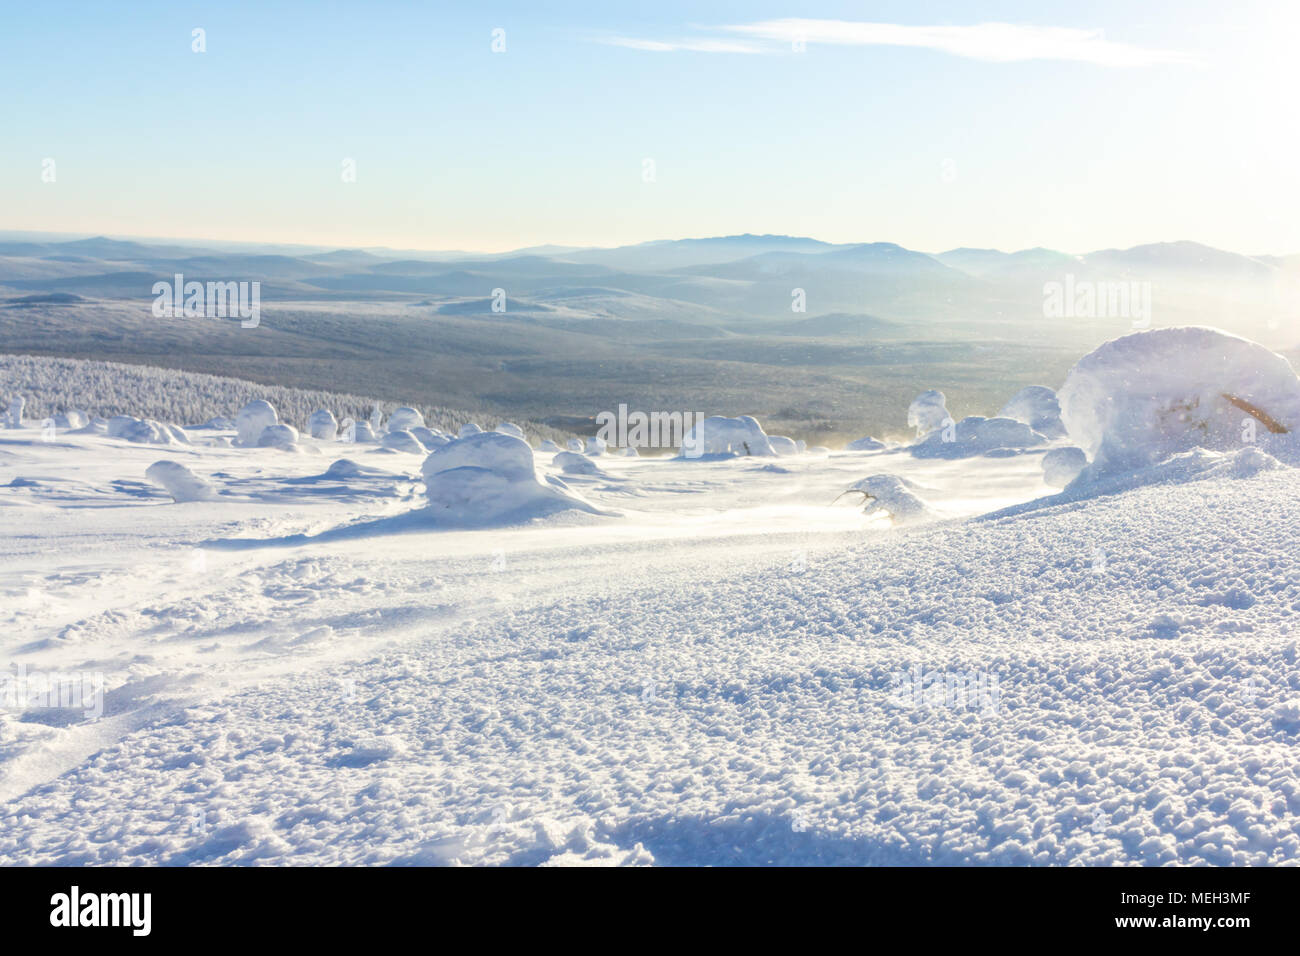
(708,280)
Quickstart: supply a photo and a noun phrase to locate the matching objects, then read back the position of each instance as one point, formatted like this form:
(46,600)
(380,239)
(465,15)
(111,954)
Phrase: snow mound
(253,419)
(429,437)
(595,446)
(928,411)
(1062,465)
(548,445)
(891,495)
(71,420)
(284,437)
(179,482)
(347,468)
(718,435)
(630,452)
(865,443)
(1037,406)
(510,428)
(1139,399)
(323,425)
(364,433)
(469,428)
(490,478)
(574,444)
(785,447)
(402,440)
(572,463)
(145,431)
(404,420)
(975,435)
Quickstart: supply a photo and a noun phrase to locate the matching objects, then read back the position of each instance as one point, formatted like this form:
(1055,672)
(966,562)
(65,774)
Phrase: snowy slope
(713,665)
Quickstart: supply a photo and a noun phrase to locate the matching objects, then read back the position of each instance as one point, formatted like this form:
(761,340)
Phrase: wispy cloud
(690,46)
(993,42)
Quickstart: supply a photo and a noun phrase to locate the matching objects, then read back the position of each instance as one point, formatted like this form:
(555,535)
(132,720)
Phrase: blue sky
(1177,122)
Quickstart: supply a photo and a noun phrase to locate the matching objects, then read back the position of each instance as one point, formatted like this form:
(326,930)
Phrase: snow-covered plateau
(455,648)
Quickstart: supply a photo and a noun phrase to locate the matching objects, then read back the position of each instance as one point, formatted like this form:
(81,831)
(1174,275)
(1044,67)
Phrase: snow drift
(179,482)
(490,478)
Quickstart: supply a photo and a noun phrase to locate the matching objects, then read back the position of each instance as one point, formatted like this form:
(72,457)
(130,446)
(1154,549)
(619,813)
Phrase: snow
(596,446)
(429,437)
(405,419)
(1037,406)
(253,419)
(783,446)
(402,441)
(719,435)
(145,431)
(468,429)
(713,661)
(928,411)
(284,437)
(1062,465)
(975,435)
(322,425)
(490,478)
(1139,399)
(548,446)
(866,443)
(572,463)
(179,482)
(14,416)
(510,428)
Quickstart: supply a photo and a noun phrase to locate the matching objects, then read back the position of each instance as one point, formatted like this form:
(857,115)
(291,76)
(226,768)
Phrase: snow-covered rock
(928,411)
(1038,407)
(253,419)
(490,478)
(1139,399)
(179,482)
(284,437)
(322,425)
(718,435)
(405,419)
(403,441)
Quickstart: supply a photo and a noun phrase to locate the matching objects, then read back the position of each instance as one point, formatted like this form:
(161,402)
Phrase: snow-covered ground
(717,661)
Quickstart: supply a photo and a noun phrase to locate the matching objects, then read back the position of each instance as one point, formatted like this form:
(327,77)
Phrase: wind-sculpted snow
(323,425)
(927,412)
(489,478)
(179,482)
(1139,399)
(892,496)
(1038,407)
(254,419)
(718,435)
(974,435)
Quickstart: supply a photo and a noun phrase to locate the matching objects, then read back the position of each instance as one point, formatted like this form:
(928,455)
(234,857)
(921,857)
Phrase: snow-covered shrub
(14,417)
(469,428)
(718,435)
(253,419)
(928,411)
(179,482)
(630,452)
(144,431)
(363,433)
(548,445)
(1139,399)
(893,496)
(404,419)
(1037,407)
(596,446)
(428,437)
(575,445)
(322,425)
